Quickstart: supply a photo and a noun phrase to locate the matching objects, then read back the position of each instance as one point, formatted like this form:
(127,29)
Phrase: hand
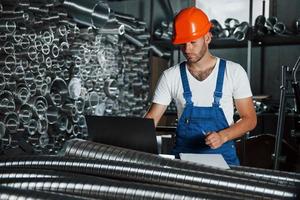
(214,140)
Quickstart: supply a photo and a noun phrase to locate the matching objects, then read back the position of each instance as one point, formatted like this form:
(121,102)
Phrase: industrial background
(63,60)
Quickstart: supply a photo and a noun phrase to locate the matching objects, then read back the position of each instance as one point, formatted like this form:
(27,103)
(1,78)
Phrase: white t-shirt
(235,86)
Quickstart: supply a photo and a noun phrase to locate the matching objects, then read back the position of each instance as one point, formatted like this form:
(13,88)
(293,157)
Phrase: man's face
(195,50)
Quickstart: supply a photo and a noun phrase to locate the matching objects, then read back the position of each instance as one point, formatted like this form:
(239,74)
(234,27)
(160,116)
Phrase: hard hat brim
(183,40)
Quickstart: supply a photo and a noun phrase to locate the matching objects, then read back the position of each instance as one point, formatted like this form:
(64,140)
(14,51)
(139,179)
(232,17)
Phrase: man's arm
(155,112)
(246,123)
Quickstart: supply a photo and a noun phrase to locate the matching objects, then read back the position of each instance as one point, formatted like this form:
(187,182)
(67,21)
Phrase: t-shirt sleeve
(241,84)
(162,94)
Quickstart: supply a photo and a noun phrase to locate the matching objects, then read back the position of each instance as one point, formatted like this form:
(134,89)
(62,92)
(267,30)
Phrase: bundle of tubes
(272,26)
(234,29)
(89,170)
(56,67)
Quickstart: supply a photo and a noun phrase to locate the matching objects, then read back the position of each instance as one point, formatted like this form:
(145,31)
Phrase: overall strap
(187,94)
(219,84)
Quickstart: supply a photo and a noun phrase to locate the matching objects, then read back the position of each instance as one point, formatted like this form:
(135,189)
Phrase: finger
(210,141)
(208,133)
(209,136)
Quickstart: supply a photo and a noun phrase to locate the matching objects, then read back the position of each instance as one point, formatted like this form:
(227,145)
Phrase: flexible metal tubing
(83,166)
(88,149)
(103,188)
(16,174)
(200,181)
(21,175)
(288,178)
(10,193)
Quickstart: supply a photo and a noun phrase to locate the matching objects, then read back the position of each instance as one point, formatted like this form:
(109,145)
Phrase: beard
(196,57)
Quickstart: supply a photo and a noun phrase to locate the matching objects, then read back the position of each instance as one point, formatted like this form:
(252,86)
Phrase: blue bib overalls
(195,121)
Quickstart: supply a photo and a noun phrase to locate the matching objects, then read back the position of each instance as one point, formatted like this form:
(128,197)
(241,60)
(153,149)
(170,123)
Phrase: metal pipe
(42,129)
(23,93)
(58,91)
(280,28)
(157,51)
(216,28)
(55,51)
(77,131)
(131,27)
(93,99)
(197,181)
(112,28)
(7,26)
(240,31)
(45,49)
(297,26)
(231,23)
(8,193)
(11,121)
(100,14)
(80,103)
(107,189)
(295,84)
(62,122)
(281,118)
(32,126)
(8,48)
(2,130)
(282,177)
(29,78)
(7,103)
(270,23)
(19,72)
(25,113)
(124,16)
(69,109)
(88,12)
(75,148)
(249,43)
(16,17)
(81,121)
(2,82)
(47,37)
(133,40)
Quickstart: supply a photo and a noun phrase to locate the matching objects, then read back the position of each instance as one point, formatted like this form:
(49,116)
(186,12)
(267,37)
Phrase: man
(205,89)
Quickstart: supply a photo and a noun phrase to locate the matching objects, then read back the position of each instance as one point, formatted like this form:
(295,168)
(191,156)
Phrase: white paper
(214,160)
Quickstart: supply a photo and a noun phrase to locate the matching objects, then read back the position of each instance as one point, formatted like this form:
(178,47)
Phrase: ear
(207,37)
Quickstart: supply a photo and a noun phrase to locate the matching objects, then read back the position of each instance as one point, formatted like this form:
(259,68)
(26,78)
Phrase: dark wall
(287,11)
(141,9)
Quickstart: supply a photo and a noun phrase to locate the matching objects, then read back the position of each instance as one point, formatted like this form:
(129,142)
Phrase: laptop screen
(127,132)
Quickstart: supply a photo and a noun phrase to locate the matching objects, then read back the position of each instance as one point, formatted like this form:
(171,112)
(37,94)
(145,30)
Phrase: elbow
(252,122)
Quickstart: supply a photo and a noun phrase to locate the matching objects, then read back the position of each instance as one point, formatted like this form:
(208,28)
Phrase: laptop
(128,132)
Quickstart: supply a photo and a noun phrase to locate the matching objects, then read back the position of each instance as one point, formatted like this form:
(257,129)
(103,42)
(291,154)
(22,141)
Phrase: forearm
(238,129)
(155,112)
(150,116)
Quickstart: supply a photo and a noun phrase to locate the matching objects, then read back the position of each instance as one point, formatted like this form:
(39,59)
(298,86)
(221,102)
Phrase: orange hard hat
(190,24)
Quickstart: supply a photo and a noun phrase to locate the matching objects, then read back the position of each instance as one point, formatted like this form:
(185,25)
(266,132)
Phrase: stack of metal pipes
(62,60)
(88,170)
